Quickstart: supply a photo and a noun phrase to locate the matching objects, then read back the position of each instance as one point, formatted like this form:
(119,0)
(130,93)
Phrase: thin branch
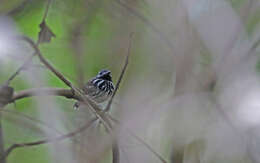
(34,120)
(94,108)
(29,60)
(254,46)
(27,117)
(247,11)
(19,8)
(115,147)
(252,50)
(58,92)
(17,72)
(77,42)
(45,141)
(45,62)
(108,106)
(76,92)
(141,141)
(44,92)
(46,10)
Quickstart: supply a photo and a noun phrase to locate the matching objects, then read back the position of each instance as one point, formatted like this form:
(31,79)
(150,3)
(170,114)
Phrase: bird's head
(105,75)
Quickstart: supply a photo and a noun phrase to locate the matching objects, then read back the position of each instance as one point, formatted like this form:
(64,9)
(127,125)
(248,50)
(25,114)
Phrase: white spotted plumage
(99,88)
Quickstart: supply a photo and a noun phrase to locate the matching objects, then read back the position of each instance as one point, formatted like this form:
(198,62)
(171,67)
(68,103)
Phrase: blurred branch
(115,153)
(108,106)
(6,94)
(19,8)
(17,72)
(27,117)
(247,8)
(76,44)
(252,50)
(141,141)
(45,141)
(34,120)
(58,92)
(146,21)
(1,140)
(45,62)
(46,10)
(94,108)
(254,46)
(29,60)
(236,130)
(77,41)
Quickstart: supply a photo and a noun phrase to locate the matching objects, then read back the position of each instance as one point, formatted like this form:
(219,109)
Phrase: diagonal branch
(19,8)
(18,71)
(45,141)
(94,108)
(84,98)
(108,106)
(29,59)
(141,141)
(34,120)
(46,10)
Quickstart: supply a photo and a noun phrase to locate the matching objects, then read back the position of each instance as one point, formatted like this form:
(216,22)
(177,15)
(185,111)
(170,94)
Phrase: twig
(19,8)
(29,60)
(76,37)
(108,106)
(44,92)
(57,92)
(17,72)
(76,44)
(252,50)
(45,141)
(46,10)
(34,120)
(94,108)
(141,141)
(255,45)
(45,62)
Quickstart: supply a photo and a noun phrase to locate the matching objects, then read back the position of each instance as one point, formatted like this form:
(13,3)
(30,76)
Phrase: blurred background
(191,89)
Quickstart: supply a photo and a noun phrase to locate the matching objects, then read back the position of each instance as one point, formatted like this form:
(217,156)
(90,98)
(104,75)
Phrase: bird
(99,88)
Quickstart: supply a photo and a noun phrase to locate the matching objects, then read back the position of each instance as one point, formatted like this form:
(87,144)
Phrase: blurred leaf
(45,34)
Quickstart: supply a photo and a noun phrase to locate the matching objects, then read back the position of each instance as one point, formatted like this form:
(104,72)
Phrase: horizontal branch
(94,108)
(68,93)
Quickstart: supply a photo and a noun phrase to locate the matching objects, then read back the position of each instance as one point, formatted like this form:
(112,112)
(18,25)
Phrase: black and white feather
(99,88)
